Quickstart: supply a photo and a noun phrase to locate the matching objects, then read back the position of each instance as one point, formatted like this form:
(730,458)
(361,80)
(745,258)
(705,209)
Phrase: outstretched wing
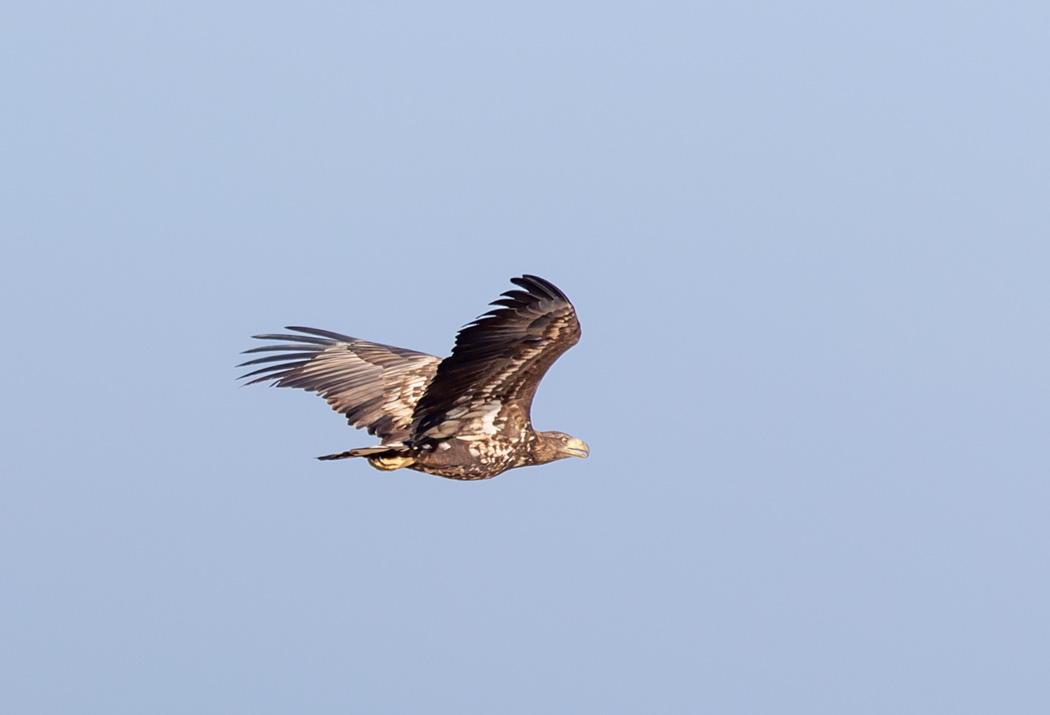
(375,386)
(500,358)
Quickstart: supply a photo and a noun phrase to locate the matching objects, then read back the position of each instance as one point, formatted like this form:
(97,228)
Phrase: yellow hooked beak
(577,448)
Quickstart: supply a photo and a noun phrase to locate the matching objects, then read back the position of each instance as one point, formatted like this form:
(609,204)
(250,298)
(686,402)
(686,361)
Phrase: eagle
(467,416)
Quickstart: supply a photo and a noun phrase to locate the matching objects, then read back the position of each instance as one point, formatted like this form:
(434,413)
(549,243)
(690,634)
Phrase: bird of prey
(464,417)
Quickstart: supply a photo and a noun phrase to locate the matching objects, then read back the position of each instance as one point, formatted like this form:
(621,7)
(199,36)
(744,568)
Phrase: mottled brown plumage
(464,417)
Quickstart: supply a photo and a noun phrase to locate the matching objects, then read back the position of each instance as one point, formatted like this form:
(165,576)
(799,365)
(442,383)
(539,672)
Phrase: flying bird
(467,416)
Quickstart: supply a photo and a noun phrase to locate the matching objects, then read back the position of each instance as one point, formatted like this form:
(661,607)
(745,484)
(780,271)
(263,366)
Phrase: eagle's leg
(389,462)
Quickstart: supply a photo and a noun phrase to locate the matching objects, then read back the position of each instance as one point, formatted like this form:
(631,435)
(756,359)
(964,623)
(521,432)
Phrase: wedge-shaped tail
(385,458)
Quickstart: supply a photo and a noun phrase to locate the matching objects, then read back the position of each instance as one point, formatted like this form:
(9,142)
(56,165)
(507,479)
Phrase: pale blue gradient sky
(809,244)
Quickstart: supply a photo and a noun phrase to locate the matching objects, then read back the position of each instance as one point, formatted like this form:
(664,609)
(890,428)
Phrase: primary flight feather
(464,417)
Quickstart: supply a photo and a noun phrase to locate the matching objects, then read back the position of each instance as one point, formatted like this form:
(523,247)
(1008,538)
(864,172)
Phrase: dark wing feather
(375,386)
(500,358)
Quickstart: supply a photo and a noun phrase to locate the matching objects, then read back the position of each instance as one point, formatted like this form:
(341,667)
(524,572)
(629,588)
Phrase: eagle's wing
(375,386)
(500,358)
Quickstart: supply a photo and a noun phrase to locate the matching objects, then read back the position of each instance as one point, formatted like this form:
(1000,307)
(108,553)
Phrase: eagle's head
(557,445)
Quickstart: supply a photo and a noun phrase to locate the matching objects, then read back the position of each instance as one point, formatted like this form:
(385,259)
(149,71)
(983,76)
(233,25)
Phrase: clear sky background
(809,244)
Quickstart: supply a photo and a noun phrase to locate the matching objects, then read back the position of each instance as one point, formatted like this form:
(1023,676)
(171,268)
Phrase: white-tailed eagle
(464,417)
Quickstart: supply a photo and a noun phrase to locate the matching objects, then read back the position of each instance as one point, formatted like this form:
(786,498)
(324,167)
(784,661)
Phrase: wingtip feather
(541,286)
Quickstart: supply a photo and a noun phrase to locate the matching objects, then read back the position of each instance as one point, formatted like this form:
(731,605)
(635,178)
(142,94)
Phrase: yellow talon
(388,464)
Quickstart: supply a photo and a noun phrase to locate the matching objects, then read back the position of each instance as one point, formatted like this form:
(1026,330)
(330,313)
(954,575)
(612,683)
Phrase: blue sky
(808,243)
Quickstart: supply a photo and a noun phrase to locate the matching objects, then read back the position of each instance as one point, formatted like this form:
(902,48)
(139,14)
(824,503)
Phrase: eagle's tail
(381,457)
(359,452)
